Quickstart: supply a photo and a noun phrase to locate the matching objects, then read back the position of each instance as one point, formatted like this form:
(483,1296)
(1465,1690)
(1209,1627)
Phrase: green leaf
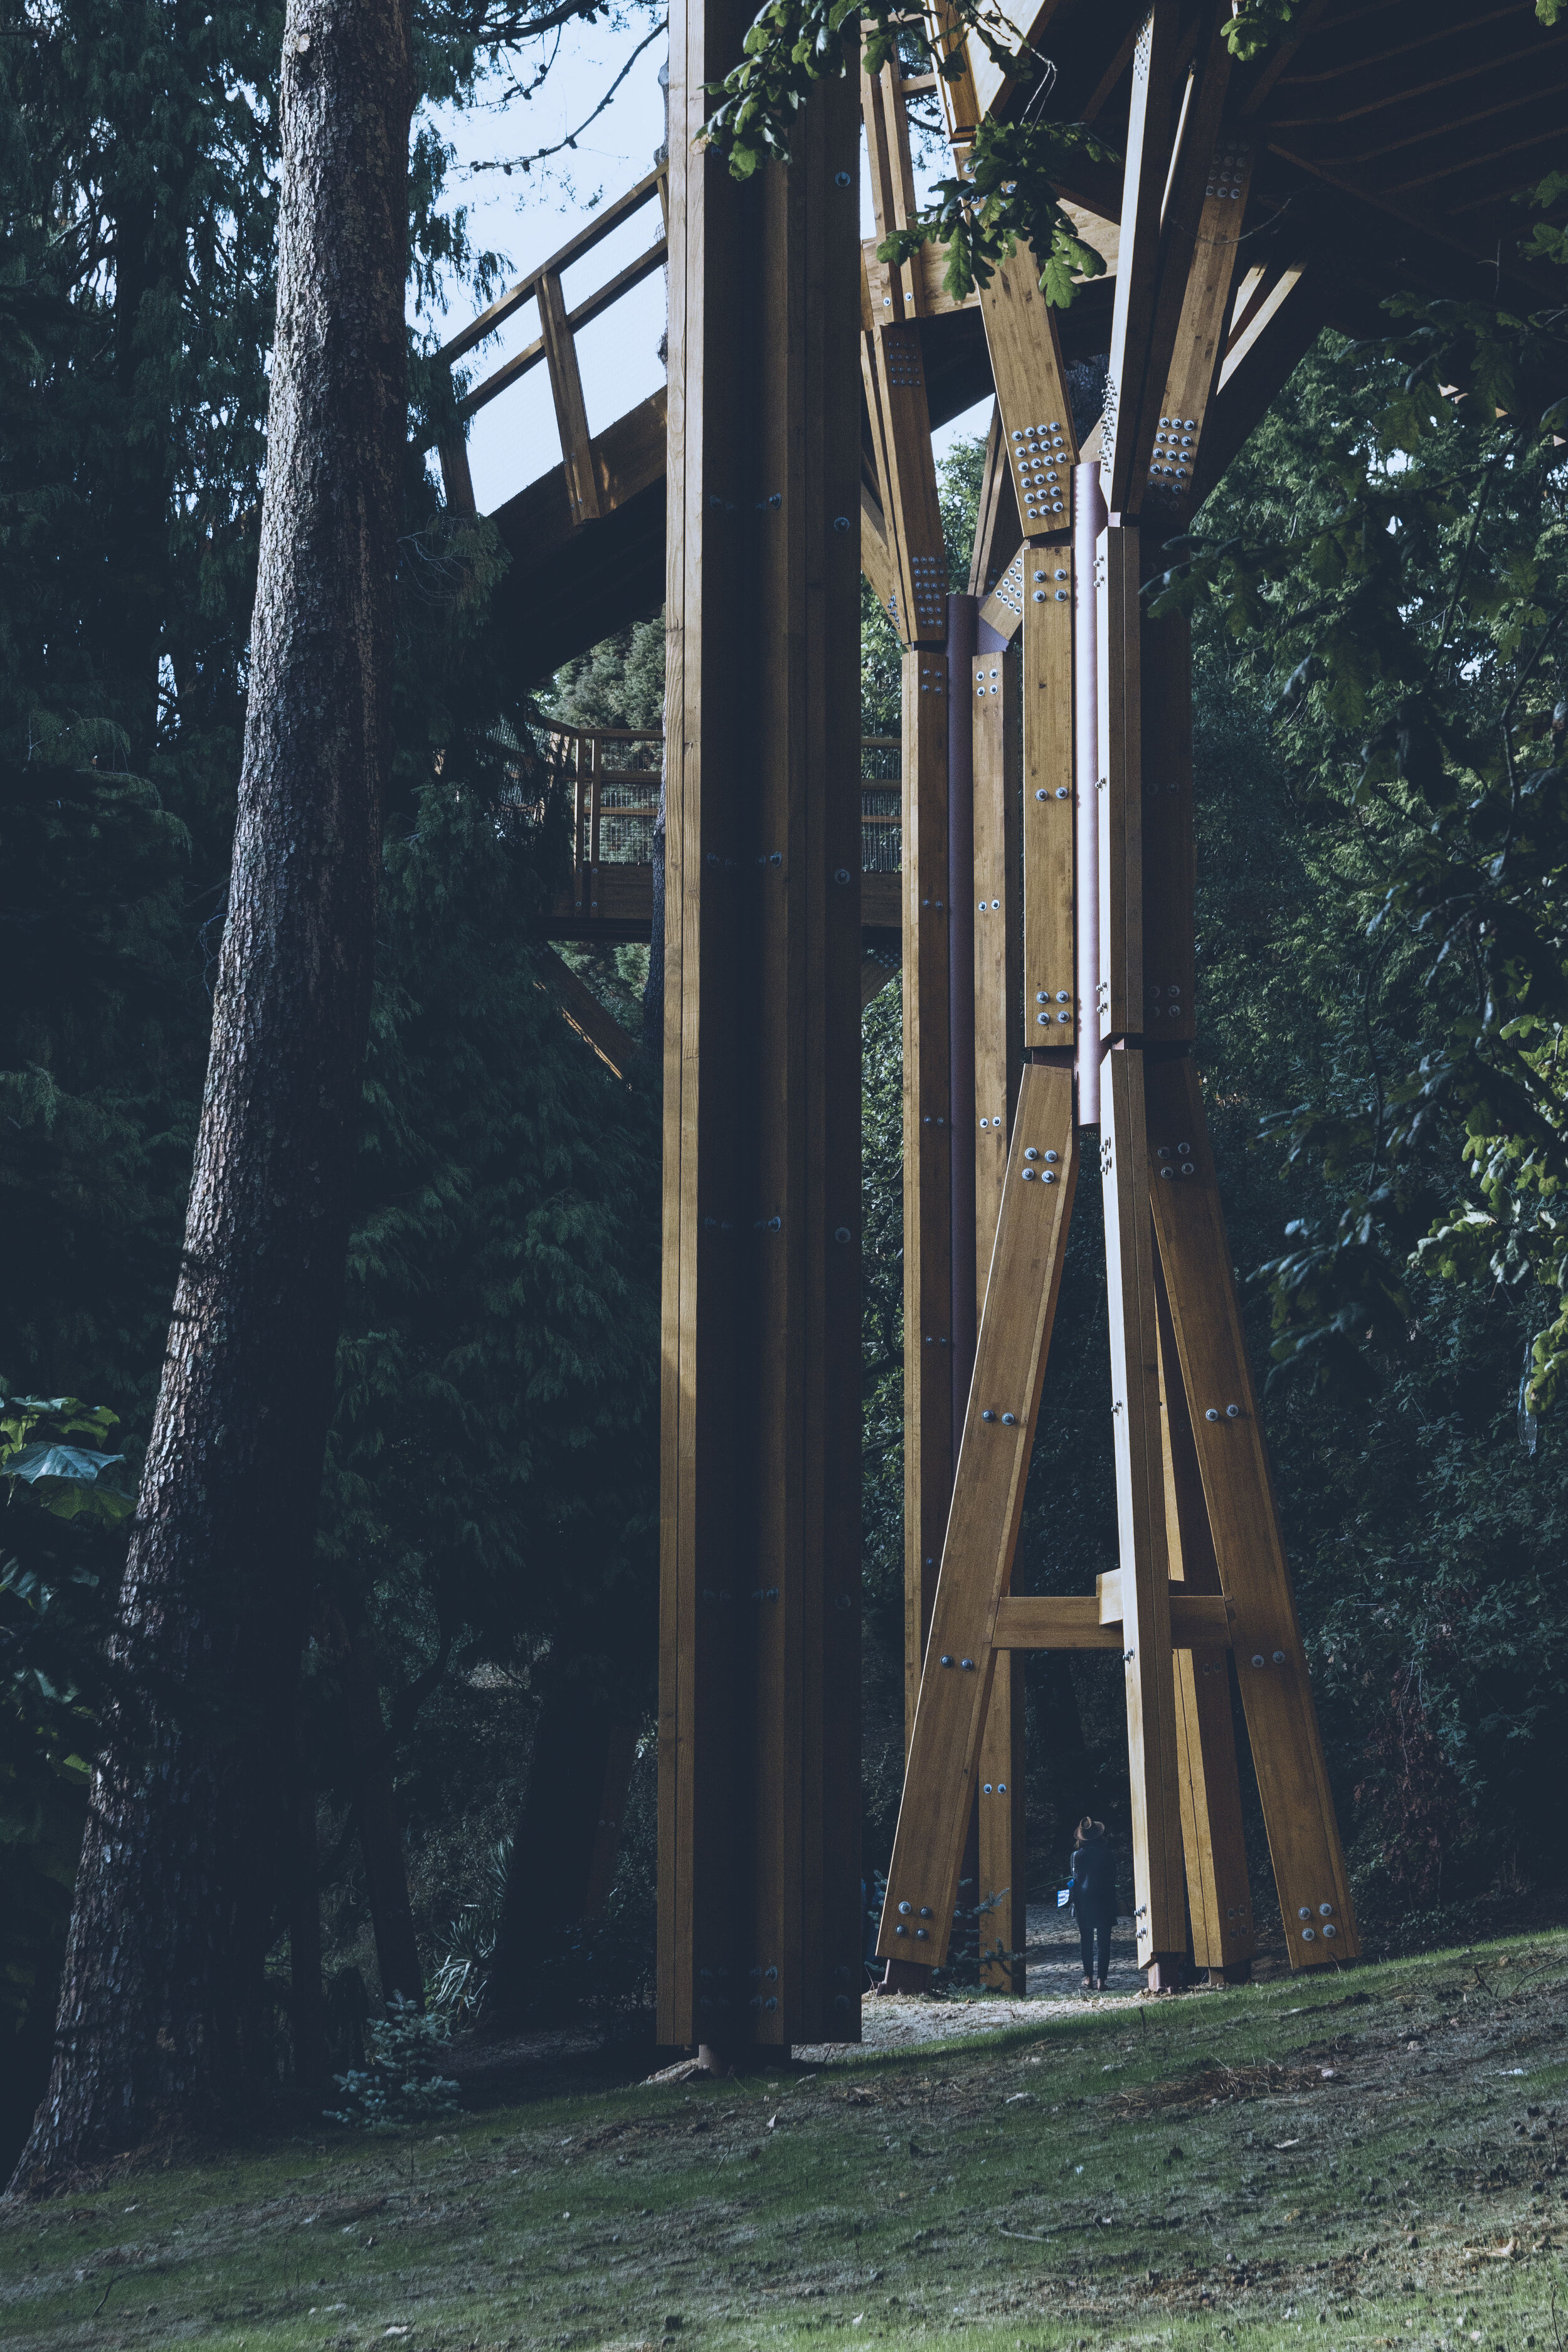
(58,1462)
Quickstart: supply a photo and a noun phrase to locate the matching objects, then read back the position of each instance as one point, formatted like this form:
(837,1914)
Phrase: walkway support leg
(983,1532)
(759,1936)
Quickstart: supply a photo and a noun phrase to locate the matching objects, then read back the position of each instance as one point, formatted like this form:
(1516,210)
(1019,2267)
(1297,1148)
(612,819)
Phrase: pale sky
(528,217)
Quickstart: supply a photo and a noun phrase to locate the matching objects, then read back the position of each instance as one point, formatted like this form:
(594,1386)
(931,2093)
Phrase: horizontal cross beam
(1025,1621)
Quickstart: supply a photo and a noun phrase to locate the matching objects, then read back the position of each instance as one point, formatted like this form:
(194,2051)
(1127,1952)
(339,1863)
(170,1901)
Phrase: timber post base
(1164,1972)
(906,1976)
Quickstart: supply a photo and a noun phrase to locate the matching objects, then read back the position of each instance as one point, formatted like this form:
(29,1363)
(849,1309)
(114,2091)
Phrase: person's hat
(1089,1828)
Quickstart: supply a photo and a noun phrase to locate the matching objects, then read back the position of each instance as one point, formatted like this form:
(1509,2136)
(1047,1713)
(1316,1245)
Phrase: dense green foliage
(1007,193)
(492,1447)
(1380,689)
(1396,583)
(65,1498)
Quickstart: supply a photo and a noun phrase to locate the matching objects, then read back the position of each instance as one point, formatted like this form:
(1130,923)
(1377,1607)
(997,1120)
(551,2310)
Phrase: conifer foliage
(489,1366)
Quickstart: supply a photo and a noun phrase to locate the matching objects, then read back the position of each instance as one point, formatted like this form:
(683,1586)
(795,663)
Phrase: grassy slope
(1160,2172)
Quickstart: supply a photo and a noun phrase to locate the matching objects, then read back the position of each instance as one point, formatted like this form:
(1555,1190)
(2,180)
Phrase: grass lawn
(1361,2160)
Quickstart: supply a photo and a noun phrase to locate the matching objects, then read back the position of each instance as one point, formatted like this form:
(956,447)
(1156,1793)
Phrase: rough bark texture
(550,1880)
(180,1867)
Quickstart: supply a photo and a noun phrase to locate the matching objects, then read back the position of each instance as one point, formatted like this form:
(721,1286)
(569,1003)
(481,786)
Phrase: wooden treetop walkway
(1394,138)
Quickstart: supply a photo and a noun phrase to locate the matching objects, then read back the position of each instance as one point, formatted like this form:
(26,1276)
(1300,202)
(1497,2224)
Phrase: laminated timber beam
(892,367)
(759,1928)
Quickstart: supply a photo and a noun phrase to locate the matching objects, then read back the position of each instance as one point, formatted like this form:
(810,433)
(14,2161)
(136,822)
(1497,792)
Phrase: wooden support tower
(1089,984)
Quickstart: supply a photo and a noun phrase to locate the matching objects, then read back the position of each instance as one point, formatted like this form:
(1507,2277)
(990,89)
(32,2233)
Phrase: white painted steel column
(1088,522)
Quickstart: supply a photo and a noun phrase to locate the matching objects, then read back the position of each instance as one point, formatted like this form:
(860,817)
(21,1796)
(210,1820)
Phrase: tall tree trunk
(185,1813)
(568,1829)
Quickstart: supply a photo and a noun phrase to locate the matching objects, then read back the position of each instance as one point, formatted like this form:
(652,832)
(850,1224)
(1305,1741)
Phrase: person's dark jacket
(1094,1880)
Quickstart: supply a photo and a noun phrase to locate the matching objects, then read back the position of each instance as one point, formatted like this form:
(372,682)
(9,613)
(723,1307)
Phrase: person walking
(1093,1897)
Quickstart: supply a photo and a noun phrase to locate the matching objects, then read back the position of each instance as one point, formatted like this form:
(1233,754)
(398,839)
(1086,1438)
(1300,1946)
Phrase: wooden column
(759,1747)
(928,1172)
(1244,1526)
(987,1505)
(997,982)
(1218,1896)
(894,372)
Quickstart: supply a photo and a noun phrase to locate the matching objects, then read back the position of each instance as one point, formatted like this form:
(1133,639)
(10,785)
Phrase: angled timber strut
(1045,923)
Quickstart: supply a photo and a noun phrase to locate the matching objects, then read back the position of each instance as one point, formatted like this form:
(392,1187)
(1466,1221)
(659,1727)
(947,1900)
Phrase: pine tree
(154,1999)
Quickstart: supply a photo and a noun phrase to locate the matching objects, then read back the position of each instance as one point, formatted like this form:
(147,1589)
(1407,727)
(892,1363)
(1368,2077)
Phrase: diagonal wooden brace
(1218,1893)
(1282,1720)
(983,1528)
(1160,1914)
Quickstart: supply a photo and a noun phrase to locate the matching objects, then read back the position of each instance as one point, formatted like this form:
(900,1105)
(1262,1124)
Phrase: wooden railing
(614,773)
(556,346)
